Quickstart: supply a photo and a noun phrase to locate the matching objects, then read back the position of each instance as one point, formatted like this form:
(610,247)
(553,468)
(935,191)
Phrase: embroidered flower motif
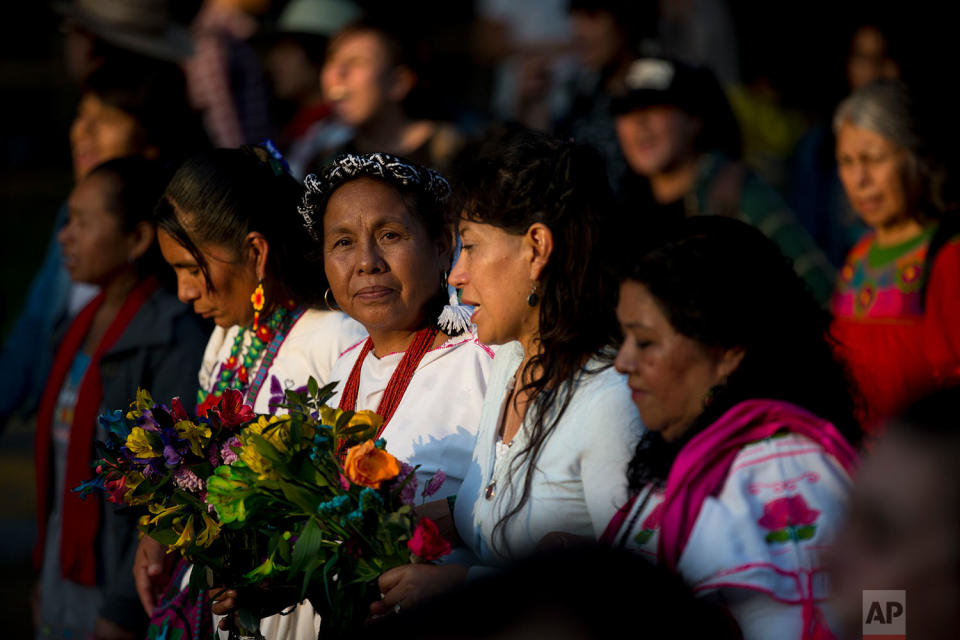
(208,403)
(789,518)
(264,333)
(650,525)
(846,273)
(865,298)
(230,363)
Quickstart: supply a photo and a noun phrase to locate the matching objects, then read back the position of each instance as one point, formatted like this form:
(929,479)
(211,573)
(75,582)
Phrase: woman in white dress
(229,227)
(383,227)
(742,479)
(557,429)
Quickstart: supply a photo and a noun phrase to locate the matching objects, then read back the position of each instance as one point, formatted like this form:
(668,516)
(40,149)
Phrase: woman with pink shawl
(741,480)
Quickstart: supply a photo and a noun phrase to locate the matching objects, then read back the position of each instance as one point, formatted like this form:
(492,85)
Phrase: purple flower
(409,492)
(434,484)
(227,451)
(187,480)
(171,455)
(153,467)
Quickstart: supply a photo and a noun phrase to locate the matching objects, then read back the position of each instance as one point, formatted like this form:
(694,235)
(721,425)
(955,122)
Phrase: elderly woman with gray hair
(897,301)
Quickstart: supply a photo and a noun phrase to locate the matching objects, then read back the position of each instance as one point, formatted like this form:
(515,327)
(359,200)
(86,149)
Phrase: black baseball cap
(661,81)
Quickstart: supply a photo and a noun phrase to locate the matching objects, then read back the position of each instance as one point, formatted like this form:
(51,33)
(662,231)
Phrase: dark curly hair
(511,179)
(724,284)
(227,193)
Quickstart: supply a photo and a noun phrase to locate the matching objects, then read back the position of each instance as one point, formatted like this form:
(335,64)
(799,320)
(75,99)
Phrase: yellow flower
(368,466)
(160,512)
(367,418)
(196,434)
(133,481)
(258,427)
(186,536)
(144,402)
(329,415)
(251,457)
(211,530)
(278,435)
(139,444)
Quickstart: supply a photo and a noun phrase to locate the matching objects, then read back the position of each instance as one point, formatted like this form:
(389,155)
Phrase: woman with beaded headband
(557,430)
(229,227)
(381,223)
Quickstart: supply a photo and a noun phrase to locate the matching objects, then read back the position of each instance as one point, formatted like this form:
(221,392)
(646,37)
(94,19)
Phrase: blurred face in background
(292,73)
(868,60)
(873,171)
(901,533)
(101,132)
(657,138)
(596,37)
(360,78)
(95,246)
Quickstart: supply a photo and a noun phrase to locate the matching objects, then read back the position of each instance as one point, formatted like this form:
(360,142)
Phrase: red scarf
(81,518)
(399,381)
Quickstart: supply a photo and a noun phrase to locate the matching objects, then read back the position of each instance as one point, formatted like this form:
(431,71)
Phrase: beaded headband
(351,166)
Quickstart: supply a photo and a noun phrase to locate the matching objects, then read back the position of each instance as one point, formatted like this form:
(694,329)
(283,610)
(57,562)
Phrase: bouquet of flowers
(306,504)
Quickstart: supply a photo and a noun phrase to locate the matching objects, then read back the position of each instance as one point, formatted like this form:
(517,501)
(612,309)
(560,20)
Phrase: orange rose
(368,466)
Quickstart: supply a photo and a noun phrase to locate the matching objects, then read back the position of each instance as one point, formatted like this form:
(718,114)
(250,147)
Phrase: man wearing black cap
(681,141)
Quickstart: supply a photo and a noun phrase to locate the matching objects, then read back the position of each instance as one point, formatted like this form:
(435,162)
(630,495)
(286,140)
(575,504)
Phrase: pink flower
(409,492)
(187,480)
(427,543)
(433,485)
(791,511)
(228,452)
(115,489)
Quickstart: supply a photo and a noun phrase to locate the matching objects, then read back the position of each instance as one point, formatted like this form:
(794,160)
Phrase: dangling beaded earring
(534,298)
(257,300)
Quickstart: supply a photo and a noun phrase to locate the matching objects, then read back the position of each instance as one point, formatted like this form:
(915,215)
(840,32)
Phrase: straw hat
(141,26)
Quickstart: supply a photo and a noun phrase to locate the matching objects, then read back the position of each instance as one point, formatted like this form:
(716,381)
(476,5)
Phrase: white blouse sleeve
(610,427)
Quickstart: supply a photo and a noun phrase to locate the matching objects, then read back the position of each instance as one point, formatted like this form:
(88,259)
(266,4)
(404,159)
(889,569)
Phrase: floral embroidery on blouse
(787,519)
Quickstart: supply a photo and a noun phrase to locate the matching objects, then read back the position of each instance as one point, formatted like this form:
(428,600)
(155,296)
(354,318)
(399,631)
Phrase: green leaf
(781,535)
(312,386)
(306,547)
(807,532)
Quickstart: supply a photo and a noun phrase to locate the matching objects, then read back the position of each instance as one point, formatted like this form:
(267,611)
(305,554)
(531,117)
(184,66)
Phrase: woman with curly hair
(556,429)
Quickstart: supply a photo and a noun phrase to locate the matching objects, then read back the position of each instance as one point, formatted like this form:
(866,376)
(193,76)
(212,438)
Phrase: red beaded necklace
(399,381)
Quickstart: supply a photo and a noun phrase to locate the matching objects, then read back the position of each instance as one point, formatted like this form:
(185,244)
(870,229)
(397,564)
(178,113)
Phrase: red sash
(81,518)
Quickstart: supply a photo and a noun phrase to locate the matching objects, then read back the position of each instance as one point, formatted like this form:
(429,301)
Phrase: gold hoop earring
(326,299)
